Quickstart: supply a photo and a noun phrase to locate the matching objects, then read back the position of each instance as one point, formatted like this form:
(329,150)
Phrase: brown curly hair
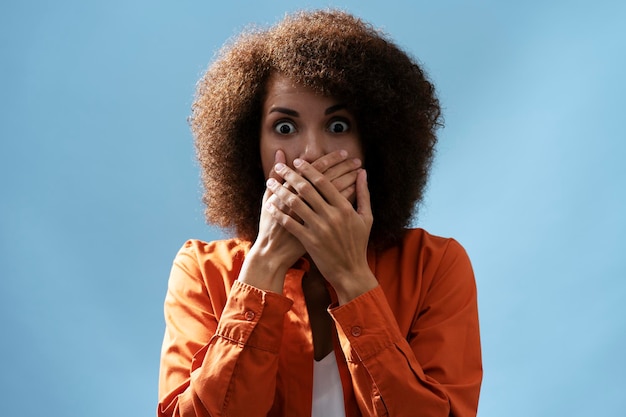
(337,54)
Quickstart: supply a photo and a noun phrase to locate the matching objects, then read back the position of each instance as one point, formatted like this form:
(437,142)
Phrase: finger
(349,192)
(344,182)
(345,167)
(323,163)
(289,203)
(266,195)
(340,171)
(363,204)
(335,164)
(279,157)
(290,224)
(314,187)
(282,206)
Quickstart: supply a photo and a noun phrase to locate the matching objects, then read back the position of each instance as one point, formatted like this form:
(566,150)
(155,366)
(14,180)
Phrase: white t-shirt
(327,389)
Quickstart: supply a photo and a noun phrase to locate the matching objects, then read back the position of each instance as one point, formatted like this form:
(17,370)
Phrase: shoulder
(443,251)
(424,255)
(430,247)
(443,261)
(226,251)
(420,237)
(207,261)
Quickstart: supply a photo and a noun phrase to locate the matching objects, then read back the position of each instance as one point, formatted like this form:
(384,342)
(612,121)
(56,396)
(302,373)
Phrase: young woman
(315,139)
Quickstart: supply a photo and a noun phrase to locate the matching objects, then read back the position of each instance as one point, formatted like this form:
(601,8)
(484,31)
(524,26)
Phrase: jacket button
(356,331)
(249,315)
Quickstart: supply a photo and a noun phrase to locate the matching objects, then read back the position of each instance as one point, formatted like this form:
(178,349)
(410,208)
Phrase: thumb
(279,156)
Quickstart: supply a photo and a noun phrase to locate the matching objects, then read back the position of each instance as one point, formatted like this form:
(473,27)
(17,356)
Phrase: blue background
(99,189)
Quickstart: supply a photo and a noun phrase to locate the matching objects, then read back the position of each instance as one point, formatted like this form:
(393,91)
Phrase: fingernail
(297,162)
(271,183)
(343,153)
(357,162)
(279,167)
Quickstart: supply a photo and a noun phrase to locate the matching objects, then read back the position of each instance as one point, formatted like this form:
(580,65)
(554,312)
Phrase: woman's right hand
(275,250)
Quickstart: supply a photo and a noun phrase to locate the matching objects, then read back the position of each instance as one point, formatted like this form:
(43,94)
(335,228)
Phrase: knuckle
(320,165)
(291,201)
(335,218)
(281,205)
(345,209)
(305,188)
(282,220)
(287,174)
(317,181)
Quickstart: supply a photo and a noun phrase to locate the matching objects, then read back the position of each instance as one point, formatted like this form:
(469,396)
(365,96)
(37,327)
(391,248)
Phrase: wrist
(351,287)
(263,272)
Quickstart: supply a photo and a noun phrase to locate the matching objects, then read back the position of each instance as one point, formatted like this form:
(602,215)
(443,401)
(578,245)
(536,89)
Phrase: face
(304,124)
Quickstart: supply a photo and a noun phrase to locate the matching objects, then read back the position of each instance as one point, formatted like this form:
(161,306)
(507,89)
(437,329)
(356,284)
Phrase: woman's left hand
(332,231)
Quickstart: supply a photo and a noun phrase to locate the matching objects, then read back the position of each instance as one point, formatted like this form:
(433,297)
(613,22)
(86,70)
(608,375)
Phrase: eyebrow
(285,110)
(290,112)
(335,108)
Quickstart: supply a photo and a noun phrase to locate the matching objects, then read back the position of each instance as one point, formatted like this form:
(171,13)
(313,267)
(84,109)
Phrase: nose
(313,147)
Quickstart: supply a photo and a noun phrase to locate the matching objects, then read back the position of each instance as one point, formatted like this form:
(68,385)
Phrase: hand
(275,249)
(329,228)
(341,172)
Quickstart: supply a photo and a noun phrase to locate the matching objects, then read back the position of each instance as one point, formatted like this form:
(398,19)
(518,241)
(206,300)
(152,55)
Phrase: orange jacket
(409,347)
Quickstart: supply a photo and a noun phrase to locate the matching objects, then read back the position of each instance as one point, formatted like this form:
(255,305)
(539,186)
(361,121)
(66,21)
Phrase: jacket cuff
(253,317)
(365,325)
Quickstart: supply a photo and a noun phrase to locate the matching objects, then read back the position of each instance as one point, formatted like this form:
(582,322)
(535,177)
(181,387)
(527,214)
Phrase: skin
(289,107)
(316,203)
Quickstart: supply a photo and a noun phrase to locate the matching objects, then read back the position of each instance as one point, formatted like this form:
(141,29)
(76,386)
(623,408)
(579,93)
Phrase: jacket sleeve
(218,362)
(436,370)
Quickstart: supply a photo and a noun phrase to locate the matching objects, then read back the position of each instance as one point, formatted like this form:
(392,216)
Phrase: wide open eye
(338,126)
(284,128)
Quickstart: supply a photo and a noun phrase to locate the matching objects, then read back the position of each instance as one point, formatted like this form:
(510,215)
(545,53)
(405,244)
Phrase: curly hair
(336,54)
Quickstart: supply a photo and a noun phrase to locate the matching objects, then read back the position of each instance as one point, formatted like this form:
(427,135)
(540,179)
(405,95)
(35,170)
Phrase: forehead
(281,84)
(282,90)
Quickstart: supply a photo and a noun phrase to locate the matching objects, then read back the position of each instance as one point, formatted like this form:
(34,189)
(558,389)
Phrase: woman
(315,139)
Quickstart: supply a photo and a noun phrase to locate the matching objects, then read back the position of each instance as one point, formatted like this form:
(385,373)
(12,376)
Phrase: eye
(338,126)
(284,128)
